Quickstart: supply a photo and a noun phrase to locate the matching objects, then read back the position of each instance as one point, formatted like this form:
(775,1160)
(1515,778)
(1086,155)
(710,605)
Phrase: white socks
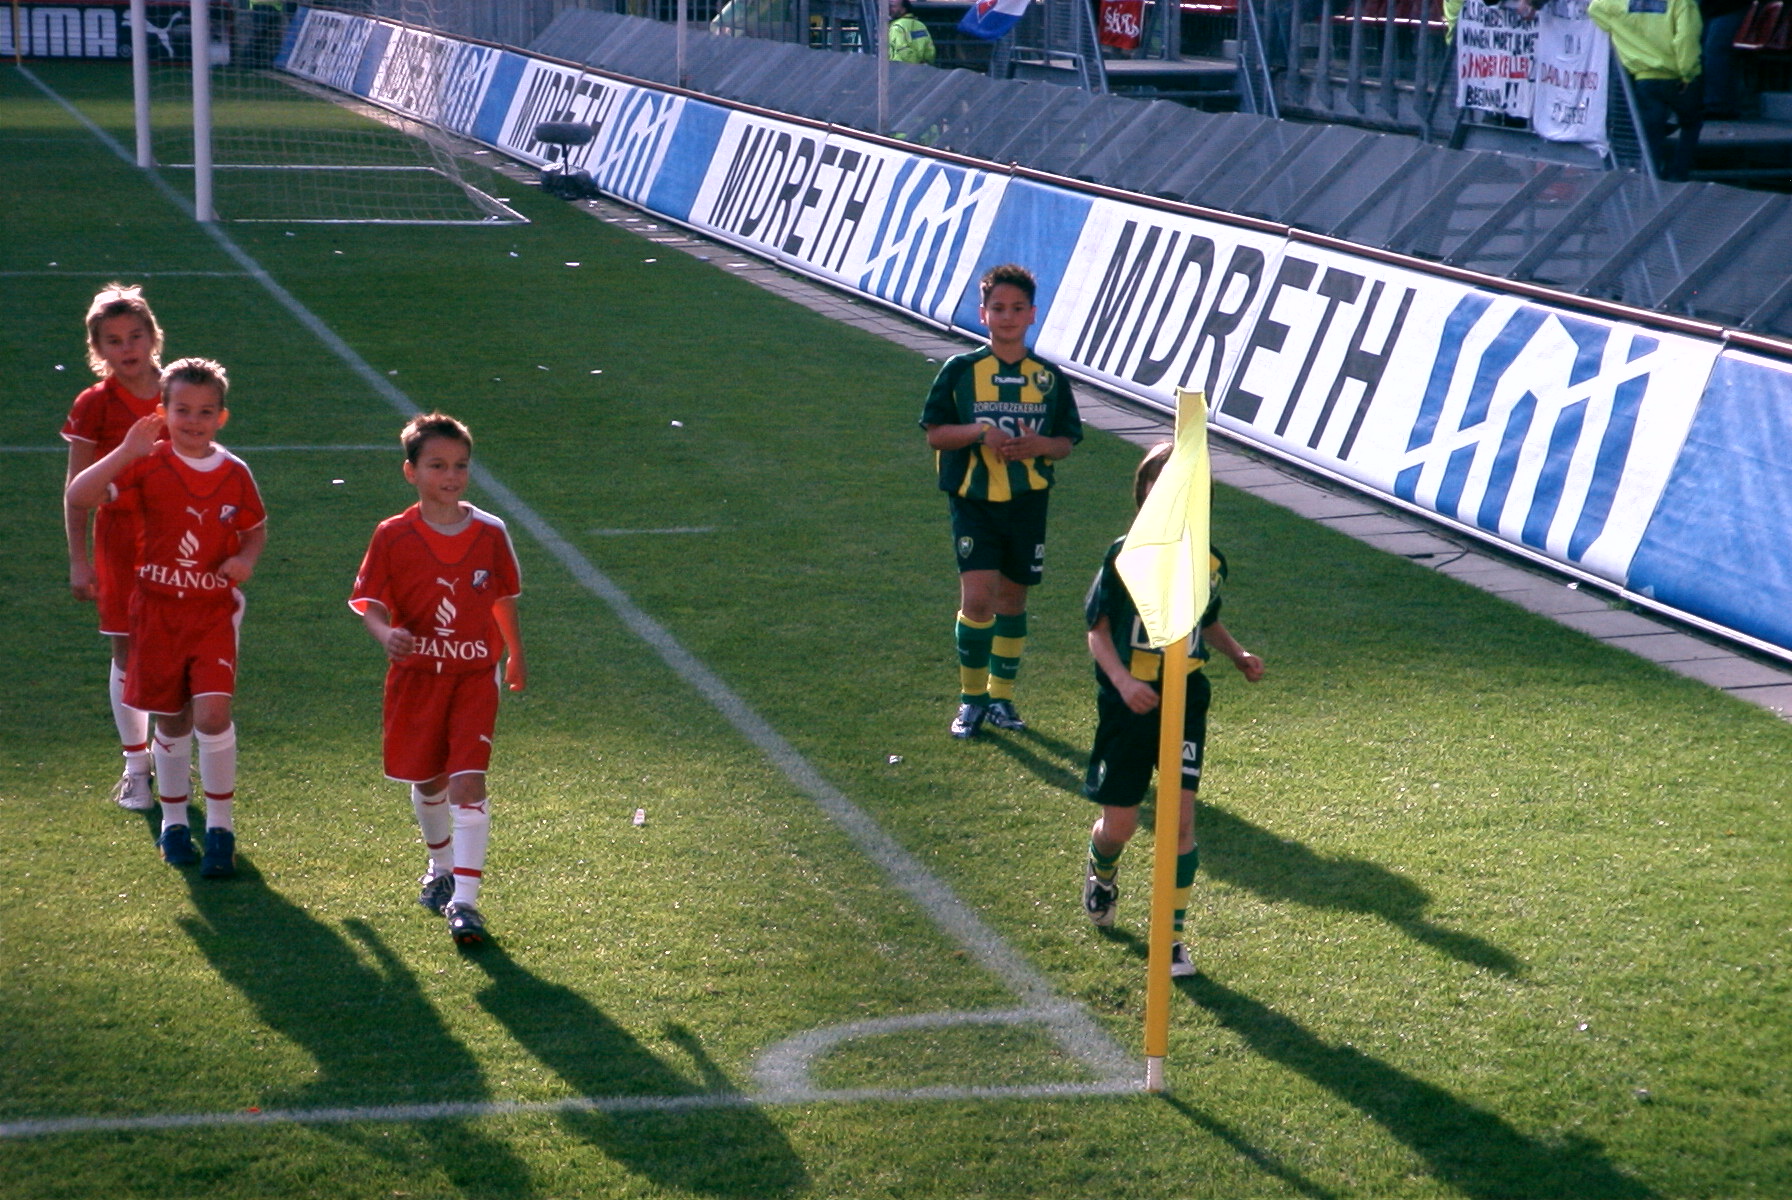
(437,824)
(132,723)
(217,775)
(217,764)
(472,828)
(173,773)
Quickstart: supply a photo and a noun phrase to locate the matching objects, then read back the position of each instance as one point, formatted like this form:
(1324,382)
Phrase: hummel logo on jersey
(1008,380)
(445,614)
(188,548)
(447,583)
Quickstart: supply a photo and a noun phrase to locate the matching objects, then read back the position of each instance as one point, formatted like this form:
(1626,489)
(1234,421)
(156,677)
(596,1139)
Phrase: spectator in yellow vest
(909,39)
(1657,41)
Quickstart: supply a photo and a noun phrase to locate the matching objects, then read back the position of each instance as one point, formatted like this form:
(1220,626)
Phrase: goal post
(264,144)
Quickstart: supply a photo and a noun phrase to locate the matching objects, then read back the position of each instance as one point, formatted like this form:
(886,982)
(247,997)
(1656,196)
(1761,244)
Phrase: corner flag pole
(1165,566)
(1167,835)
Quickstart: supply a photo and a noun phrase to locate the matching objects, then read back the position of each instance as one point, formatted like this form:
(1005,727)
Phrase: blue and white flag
(990,19)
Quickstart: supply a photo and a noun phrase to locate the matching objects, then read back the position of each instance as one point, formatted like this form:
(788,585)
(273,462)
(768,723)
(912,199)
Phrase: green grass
(1486,909)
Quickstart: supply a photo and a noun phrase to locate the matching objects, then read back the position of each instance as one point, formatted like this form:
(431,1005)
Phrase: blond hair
(119,300)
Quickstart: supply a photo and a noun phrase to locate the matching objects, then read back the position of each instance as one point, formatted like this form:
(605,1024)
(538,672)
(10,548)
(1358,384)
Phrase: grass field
(1486,909)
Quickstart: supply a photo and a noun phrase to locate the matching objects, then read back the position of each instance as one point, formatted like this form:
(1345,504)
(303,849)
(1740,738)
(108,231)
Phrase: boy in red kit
(124,348)
(202,528)
(437,590)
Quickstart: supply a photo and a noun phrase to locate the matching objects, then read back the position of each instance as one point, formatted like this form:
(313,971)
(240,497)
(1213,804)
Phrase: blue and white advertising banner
(1038,226)
(1643,458)
(1550,429)
(434,79)
(327,48)
(1159,301)
(882,221)
(632,128)
(1720,544)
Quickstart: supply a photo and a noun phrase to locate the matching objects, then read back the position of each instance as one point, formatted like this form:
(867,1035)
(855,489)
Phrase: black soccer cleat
(437,891)
(1001,714)
(969,720)
(1099,900)
(219,860)
(176,844)
(465,925)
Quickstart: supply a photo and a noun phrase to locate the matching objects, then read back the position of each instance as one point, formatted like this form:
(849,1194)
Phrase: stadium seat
(1758,26)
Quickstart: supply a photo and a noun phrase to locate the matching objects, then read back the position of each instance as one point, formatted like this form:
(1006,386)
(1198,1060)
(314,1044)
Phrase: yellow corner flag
(1164,563)
(1166,566)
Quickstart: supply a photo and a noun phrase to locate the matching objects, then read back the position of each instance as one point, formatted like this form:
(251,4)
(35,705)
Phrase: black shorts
(1006,536)
(1125,751)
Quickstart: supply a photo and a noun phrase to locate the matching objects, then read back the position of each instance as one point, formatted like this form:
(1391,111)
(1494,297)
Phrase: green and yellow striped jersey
(1109,598)
(1030,396)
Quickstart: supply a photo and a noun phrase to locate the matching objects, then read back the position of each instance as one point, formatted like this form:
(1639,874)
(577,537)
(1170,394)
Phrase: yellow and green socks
(974,638)
(1104,866)
(1008,640)
(1185,883)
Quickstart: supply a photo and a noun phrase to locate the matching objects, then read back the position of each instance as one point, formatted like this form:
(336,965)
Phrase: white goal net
(267,139)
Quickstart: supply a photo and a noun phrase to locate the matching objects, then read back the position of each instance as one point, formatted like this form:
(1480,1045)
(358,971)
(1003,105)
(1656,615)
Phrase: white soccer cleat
(135,791)
(1099,900)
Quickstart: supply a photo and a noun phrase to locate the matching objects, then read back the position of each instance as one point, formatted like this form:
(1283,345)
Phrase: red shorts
(438,724)
(181,649)
(115,568)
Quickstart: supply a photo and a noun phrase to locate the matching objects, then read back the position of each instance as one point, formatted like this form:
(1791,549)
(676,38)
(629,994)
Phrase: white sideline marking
(641,532)
(392,446)
(52,1126)
(1068,1022)
(116,274)
(782,1072)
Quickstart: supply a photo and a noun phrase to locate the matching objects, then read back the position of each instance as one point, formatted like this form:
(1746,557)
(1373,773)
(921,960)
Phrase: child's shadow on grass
(1468,1149)
(1053,761)
(1247,856)
(376,1039)
(727,1149)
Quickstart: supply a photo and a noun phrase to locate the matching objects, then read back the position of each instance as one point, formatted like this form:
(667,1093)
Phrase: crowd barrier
(1631,452)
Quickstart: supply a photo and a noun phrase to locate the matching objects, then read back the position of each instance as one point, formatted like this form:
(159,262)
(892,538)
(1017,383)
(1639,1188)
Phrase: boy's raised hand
(141,437)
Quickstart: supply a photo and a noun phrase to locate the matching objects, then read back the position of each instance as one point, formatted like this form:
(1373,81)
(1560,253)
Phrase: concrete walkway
(1572,604)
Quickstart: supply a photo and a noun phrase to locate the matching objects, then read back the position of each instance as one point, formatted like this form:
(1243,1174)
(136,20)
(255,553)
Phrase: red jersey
(192,520)
(441,587)
(103,414)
